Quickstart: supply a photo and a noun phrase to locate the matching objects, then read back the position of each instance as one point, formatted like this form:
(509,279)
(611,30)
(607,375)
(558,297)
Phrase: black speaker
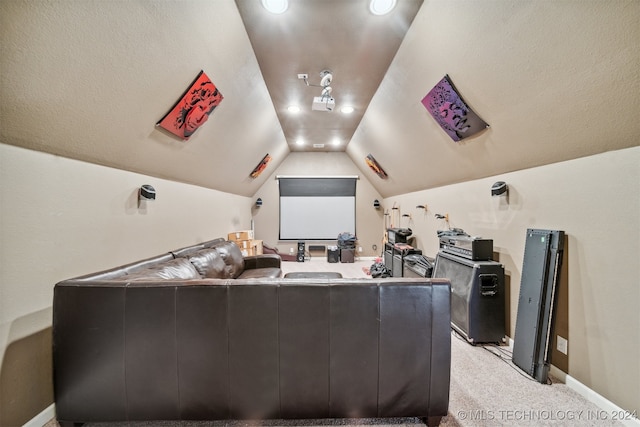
(477,296)
(347,254)
(300,256)
(333,254)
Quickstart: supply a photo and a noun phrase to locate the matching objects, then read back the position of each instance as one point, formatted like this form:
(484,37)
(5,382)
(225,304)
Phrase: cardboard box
(248,252)
(249,247)
(241,235)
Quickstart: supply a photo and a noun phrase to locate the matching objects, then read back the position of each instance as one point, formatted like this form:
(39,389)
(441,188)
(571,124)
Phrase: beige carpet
(486,389)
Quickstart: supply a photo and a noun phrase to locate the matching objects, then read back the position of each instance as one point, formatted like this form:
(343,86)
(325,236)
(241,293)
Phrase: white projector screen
(316,218)
(317,208)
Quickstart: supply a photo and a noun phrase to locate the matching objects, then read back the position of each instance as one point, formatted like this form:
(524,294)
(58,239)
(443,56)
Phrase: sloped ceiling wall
(89,80)
(554,80)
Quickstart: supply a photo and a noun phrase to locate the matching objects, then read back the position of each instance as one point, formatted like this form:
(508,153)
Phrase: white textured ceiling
(89,80)
(340,36)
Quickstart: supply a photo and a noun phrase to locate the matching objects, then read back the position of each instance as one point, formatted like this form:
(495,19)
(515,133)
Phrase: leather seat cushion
(232,257)
(178,268)
(209,264)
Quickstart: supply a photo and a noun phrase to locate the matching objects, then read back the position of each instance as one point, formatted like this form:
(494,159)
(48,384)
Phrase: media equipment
(499,188)
(541,267)
(400,250)
(333,254)
(473,248)
(323,103)
(477,296)
(300,255)
(147,192)
(347,254)
(388,257)
(398,235)
(416,265)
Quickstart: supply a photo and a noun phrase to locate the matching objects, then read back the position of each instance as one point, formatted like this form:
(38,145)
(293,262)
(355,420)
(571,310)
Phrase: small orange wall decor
(261,166)
(373,164)
(193,109)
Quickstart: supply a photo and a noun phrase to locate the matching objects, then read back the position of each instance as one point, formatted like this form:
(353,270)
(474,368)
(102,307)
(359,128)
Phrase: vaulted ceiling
(340,38)
(89,80)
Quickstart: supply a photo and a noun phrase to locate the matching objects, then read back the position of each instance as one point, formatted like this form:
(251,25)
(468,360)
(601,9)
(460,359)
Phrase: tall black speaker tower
(300,256)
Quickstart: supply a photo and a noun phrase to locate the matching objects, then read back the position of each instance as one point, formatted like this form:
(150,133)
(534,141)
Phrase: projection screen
(317,208)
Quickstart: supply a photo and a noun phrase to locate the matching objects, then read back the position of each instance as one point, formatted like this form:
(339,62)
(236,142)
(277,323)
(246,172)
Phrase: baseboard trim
(43,417)
(609,409)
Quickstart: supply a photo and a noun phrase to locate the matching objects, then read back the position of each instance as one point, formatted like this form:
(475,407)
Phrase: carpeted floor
(487,389)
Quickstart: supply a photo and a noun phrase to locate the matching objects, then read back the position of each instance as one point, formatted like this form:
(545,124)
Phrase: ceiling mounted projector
(323,103)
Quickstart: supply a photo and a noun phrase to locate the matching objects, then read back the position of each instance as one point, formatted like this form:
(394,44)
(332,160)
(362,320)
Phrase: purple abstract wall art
(449,110)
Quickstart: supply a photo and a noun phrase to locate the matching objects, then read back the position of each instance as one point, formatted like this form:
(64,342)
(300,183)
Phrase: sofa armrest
(262,261)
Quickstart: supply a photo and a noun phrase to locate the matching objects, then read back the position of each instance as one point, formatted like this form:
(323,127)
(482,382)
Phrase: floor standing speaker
(477,296)
(300,256)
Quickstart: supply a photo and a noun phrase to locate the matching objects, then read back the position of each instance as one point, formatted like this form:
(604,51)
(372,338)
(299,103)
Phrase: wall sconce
(440,216)
(147,192)
(258,202)
(376,204)
(499,188)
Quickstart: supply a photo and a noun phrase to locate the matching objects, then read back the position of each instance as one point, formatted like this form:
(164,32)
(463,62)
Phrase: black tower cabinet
(400,251)
(347,255)
(541,266)
(388,257)
(333,254)
(477,296)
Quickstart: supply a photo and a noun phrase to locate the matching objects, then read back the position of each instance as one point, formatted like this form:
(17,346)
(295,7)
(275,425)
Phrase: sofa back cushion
(179,268)
(209,264)
(232,257)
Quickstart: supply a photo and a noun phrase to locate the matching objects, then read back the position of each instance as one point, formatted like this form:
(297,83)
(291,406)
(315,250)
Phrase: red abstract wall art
(450,111)
(193,109)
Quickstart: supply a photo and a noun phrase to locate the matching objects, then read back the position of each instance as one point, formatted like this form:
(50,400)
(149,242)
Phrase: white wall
(60,218)
(368,220)
(596,201)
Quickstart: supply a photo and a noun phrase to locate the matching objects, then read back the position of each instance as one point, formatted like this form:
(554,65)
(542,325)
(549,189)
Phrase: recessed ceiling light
(300,141)
(293,109)
(347,109)
(336,141)
(381,7)
(275,6)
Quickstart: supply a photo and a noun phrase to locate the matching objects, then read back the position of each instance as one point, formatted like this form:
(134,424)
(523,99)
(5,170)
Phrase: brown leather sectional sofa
(149,341)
